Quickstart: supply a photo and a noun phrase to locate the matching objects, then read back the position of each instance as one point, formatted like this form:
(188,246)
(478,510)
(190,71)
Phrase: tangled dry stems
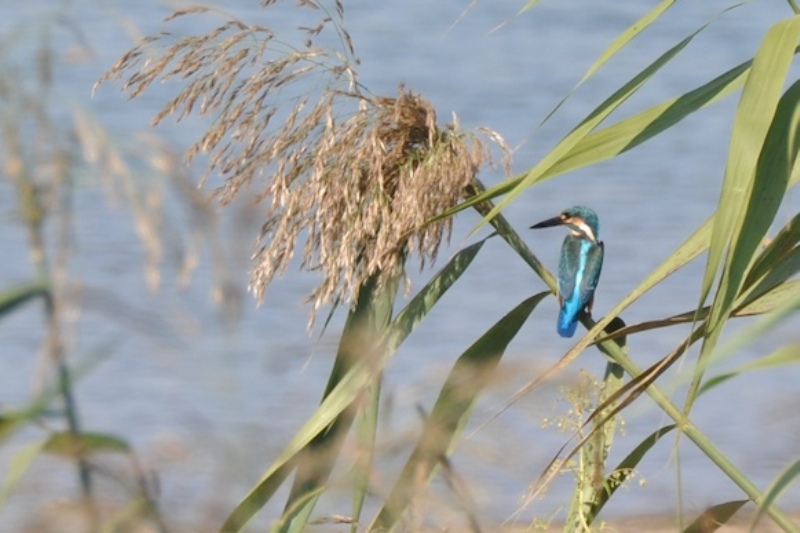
(358,177)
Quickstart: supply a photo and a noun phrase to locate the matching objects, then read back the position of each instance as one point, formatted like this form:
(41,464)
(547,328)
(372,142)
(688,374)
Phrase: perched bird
(580,264)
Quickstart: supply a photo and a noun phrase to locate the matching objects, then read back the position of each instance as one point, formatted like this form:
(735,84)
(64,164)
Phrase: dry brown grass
(350,178)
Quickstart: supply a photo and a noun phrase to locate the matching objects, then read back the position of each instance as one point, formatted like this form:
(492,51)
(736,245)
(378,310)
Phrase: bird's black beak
(550,222)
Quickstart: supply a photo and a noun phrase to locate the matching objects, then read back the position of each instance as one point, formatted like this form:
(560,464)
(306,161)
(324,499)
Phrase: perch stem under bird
(580,264)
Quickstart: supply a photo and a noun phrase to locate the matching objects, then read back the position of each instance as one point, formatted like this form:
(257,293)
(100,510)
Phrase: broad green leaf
(716,516)
(471,373)
(10,299)
(350,386)
(786,355)
(767,191)
(781,483)
(758,123)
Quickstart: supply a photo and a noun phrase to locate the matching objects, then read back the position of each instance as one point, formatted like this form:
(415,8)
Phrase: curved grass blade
(62,443)
(755,179)
(777,487)
(625,469)
(637,385)
(471,373)
(764,303)
(787,307)
(19,465)
(616,45)
(773,282)
(777,248)
(598,115)
(621,136)
(715,517)
(704,443)
(70,445)
(349,387)
(626,134)
(771,300)
(10,299)
(779,261)
(786,355)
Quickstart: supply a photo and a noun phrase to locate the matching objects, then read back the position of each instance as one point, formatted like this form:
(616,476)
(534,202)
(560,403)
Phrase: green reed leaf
(626,468)
(350,386)
(616,45)
(10,299)
(468,378)
(786,355)
(598,115)
(758,168)
(778,486)
(67,444)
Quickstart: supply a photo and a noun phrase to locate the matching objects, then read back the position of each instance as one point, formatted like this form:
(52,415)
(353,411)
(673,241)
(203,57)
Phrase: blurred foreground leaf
(350,386)
(71,445)
(781,483)
(715,517)
(471,373)
(10,299)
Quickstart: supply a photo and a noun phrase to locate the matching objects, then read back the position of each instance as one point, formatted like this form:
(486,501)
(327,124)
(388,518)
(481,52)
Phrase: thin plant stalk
(34,214)
(590,478)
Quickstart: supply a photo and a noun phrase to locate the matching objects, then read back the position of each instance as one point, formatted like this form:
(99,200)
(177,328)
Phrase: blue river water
(208,403)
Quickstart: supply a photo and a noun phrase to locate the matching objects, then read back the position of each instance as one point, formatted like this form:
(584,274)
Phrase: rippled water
(208,406)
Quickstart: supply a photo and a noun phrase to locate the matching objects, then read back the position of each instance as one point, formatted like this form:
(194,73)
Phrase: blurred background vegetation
(306,166)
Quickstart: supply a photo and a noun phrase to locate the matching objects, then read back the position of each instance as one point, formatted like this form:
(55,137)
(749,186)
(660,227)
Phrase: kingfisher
(579,266)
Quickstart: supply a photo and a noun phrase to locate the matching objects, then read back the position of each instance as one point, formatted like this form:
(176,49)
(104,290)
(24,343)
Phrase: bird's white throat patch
(581,228)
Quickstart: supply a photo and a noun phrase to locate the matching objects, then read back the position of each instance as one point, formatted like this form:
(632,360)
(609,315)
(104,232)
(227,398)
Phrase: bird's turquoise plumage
(579,267)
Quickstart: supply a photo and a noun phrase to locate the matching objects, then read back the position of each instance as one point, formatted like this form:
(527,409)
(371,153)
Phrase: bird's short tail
(567,322)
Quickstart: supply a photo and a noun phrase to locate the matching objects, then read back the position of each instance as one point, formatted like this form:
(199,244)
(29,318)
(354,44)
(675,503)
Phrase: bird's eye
(563,216)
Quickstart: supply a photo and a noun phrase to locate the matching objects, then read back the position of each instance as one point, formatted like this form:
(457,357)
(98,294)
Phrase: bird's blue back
(578,272)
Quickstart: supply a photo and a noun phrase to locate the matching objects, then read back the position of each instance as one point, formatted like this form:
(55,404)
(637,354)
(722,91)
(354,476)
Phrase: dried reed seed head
(356,177)
(370,187)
